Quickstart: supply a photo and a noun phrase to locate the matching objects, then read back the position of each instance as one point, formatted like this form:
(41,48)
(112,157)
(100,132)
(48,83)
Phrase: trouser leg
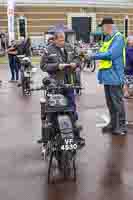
(118,106)
(110,107)
(11,64)
(16,68)
(72,102)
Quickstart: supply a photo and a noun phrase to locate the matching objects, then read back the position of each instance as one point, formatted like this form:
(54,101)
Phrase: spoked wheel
(74,171)
(78,91)
(23,83)
(46,151)
(53,169)
(26,88)
(50,167)
(78,82)
(69,168)
(23,88)
(90,66)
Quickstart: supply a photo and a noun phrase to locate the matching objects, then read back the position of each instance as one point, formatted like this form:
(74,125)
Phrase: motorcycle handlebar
(66,86)
(36,89)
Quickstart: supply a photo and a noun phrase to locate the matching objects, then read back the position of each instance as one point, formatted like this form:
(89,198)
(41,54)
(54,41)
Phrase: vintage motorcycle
(26,74)
(59,133)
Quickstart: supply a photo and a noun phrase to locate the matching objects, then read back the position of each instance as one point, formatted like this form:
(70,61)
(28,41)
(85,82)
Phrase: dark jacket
(53,57)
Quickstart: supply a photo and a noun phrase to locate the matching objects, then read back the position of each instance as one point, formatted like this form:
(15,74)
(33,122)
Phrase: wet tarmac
(104,166)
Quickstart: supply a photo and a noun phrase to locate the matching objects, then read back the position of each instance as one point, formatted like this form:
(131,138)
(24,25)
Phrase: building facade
(42,14)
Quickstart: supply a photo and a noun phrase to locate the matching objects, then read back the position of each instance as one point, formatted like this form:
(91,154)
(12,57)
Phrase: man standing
(12,52)
(111,75)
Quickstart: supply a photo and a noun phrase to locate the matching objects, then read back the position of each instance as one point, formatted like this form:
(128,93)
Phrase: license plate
(69,145)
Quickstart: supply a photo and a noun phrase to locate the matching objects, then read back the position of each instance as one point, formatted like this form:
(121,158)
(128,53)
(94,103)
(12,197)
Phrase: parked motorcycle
(60,135)
(26,74)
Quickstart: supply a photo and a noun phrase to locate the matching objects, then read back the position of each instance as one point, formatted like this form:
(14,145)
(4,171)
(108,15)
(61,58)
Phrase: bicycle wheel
(92,66)
(50,168)
(53,169)
(74,170)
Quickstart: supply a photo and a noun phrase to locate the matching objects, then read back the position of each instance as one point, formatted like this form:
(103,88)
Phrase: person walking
(111,58)
(12,52)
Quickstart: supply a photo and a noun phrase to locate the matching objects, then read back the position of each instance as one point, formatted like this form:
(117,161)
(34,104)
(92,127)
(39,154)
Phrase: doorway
(82,27)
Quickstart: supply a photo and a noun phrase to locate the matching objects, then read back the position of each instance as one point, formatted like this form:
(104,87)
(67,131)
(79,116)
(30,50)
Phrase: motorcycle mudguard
(65,125)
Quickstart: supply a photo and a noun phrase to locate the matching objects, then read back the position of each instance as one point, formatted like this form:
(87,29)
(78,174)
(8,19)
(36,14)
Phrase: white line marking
(105,119)
(100,125)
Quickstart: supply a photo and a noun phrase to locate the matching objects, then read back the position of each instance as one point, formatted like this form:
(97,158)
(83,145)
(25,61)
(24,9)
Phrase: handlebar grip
(73,86)
(58,87)
(36,89)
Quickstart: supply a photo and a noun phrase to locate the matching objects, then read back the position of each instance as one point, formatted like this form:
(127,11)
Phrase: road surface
(105,165)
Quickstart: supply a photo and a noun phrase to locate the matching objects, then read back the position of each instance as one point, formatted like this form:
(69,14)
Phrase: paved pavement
(105,165)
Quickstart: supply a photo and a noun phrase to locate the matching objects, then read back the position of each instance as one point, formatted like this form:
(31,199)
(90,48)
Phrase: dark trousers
(115,104)
(70,95)
(14,67)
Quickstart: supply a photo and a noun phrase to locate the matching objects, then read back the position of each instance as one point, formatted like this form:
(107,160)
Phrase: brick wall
(118,16)
(40,18)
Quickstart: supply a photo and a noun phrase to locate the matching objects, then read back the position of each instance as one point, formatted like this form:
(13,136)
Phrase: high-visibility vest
(107,64)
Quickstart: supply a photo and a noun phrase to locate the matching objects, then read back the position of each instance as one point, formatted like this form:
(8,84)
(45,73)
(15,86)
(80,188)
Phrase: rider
(55,62)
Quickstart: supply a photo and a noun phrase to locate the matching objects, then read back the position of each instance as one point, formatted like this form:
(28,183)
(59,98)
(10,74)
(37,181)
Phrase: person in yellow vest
(111,66)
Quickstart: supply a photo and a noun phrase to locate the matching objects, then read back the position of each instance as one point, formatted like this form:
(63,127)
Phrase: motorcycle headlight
(52,103)
(57,100)
(63,102)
